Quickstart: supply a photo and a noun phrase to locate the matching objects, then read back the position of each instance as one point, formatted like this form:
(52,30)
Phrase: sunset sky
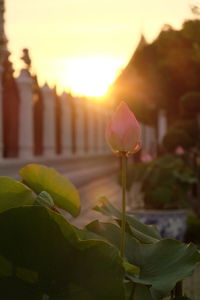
(81,45)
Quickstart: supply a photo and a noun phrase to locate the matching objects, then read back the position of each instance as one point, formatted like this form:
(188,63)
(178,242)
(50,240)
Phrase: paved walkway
(74,168)
(90,195)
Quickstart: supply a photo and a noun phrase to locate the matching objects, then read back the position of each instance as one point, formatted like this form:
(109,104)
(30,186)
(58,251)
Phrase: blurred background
(64,67)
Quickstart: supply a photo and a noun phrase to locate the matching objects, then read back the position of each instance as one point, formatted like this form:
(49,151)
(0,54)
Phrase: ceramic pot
(170,223)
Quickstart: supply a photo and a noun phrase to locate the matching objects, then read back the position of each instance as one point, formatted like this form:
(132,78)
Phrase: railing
(47,125)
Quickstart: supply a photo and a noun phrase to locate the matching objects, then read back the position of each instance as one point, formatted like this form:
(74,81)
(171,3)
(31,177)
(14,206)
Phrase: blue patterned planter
(170,223)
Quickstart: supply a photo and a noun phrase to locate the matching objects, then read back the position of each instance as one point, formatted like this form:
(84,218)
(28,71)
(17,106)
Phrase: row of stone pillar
(82,123)
(153,137)
(149,139)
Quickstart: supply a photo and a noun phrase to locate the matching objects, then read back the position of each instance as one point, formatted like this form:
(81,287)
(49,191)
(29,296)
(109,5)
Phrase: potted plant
(163,186)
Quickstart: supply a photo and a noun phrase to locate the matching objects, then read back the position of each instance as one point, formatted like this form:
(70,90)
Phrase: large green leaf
(111,233)
(41,178)
(14,194)
(142,232)
(46,251)
(162,264)
(165,263)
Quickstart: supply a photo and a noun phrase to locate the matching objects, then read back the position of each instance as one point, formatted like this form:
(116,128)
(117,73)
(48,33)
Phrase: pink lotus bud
(123,132)
(179,150)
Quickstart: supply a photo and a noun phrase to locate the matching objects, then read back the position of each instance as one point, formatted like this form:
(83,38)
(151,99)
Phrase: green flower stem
(123,223)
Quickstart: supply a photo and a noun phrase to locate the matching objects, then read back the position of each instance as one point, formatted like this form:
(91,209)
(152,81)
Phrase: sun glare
(88,76)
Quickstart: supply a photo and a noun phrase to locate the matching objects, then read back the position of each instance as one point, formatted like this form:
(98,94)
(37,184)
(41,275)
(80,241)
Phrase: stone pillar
(90,127)
(97,128)
(79,126)
(49,121)
(26,144)
(150,143)
(66,126)
(105,145)
(162,125)
(105,123)
(1,115)
(101,130)
(108,117)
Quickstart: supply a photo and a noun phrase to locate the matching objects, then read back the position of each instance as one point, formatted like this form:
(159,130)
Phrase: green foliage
(190,103)
(189,126)
(41,178)
(169,67)
(43,256)
(193,229)
(177,137)
(13,194)
(165,181)
(178,56)
(161,263)
(191,30)
(142,232)
(44,243)
(145,113)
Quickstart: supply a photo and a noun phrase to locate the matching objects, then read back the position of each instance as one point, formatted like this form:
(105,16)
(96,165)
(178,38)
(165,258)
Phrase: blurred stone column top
(25,85)
(91,132)
(66,125)
(49,119)
(79,126)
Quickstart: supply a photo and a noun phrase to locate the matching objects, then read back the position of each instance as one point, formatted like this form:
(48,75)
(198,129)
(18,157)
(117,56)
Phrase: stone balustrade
(49,122)
(25,84)
(75,125)
(82,123)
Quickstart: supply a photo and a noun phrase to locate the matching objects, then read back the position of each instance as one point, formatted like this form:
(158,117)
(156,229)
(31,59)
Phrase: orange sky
(82,44)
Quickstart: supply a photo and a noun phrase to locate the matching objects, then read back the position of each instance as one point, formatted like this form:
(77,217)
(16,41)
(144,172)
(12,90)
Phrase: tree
(190,104)
(164,70)
(177,137)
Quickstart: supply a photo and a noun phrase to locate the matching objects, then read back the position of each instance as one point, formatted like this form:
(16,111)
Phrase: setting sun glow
(81,45)
(88,76)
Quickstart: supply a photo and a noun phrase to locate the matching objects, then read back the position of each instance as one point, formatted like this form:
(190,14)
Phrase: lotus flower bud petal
(123,132)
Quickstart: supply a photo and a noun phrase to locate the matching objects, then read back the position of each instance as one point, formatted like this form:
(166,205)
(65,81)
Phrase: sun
(89,76)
